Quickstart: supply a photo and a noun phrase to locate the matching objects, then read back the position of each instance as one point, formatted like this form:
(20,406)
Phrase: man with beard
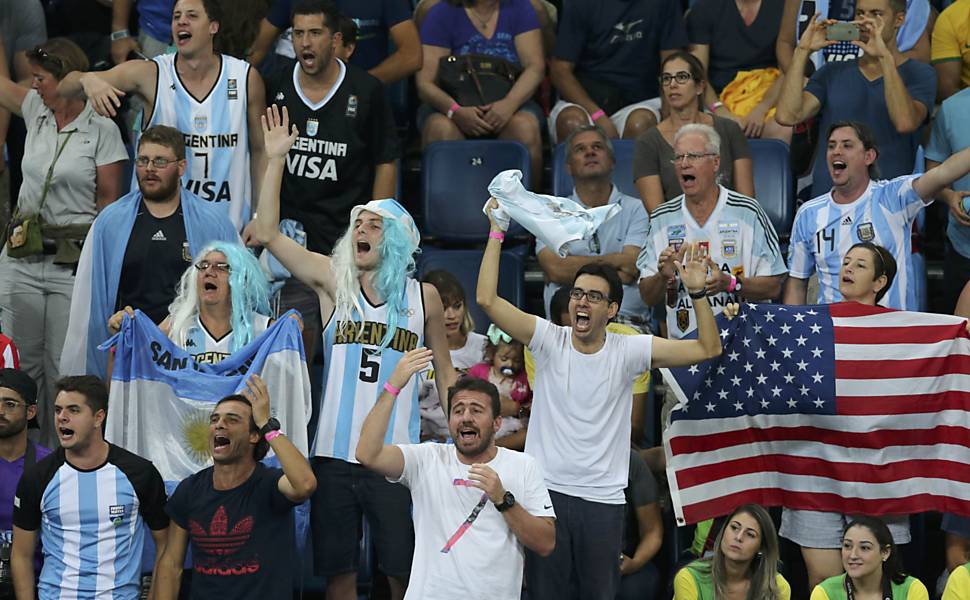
(138,249)
(375,312)
(89,502)
(18,401)
(256,501)
(346,151)
(474,504)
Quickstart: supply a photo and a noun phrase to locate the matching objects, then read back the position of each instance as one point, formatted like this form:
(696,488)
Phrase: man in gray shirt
(590,161)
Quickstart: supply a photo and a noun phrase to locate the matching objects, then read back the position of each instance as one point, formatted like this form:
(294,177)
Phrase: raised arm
(12,94)
(372,452)
(680,353)
(520,325)
(255,109)
(309,267)
(297,482)
(905,113)
(106,89)
(122,47)
(794,103)
(931,183)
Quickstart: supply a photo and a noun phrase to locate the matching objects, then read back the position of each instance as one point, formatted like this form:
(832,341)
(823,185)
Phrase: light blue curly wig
(248,292)
(399,243)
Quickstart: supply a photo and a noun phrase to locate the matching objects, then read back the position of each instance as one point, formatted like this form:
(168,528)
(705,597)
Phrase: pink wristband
(596,115)
(454,107)
(497,235)
(272,434)
(733,284)
(390,389)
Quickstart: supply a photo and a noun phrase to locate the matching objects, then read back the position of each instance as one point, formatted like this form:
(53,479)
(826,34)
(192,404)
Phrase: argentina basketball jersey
(206,349)
(216,133)
(355,374)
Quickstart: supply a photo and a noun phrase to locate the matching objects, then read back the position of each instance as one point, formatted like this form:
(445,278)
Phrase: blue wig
(248,293)
(390,279)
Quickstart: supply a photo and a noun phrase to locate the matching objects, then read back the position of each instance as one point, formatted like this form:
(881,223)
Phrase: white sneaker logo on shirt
(159,236)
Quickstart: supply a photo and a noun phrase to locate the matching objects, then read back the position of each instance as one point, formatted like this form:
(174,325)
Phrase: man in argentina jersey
(374,312)
(89,500)
(743,253)
(347,149)
(215,100)
(860,208)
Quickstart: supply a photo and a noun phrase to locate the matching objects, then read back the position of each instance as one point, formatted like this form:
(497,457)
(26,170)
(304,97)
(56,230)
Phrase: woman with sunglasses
(682,85)
(72,168)
(221,304)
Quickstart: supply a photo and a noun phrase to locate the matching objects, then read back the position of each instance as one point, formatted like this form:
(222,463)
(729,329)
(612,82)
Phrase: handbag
(476,79)
(25,238)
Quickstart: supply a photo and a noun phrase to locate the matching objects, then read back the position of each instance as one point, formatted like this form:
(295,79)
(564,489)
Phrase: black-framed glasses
(690,157)
(158,163)
(680,77)
(222,267)
(594,296)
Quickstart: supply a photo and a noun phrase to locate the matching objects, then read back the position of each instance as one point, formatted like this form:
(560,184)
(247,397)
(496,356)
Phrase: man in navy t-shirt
(607,61)
(883,89)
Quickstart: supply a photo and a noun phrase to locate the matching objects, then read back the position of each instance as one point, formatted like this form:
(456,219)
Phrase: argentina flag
(161,399)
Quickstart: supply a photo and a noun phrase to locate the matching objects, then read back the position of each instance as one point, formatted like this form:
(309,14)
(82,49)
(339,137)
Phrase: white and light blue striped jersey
(739,237)
(354,375)
(91,523)
(216,133)
(208,350)
(825,230)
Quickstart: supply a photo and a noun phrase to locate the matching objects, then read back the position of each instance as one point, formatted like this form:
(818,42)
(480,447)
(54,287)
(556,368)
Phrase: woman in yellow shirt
(873,567)
(744,565)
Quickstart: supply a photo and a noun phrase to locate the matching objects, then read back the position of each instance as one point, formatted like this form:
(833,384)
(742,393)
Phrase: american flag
(843,408)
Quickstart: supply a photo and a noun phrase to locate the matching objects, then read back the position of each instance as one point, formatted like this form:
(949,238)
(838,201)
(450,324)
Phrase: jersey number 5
(370,368)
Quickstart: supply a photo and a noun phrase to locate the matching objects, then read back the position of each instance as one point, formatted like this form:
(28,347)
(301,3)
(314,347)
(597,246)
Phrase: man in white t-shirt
(579,431)
(475,505)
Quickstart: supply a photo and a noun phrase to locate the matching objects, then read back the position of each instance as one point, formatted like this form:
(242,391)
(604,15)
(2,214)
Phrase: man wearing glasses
(743,256)
(579,430)
(138,249)
(590,162)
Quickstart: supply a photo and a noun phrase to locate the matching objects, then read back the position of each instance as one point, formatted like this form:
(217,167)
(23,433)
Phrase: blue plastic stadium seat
(454,186)
(562,182)
(464,265)
(774,186)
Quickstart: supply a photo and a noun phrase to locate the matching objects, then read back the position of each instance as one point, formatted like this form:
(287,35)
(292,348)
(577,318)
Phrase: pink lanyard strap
(471,517)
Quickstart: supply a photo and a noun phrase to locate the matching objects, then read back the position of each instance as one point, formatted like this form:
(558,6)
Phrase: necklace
(483,23)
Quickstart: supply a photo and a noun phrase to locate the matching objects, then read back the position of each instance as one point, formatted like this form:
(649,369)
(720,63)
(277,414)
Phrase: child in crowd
(467,349)
(504,366)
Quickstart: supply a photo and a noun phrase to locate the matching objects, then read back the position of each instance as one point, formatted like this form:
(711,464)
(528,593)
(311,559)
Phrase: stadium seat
(454,186)
(464,265)
(562,182)
(774,186)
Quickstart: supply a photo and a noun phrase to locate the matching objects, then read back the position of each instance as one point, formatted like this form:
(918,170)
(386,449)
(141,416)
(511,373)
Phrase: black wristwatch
(271,425)
(508,501)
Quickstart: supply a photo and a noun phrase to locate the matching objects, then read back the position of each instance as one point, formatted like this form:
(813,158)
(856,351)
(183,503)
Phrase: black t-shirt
(331,166)
(242,539)
(734,46)
(155,258)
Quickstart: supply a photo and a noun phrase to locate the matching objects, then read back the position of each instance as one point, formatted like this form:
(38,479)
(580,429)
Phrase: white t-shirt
(579,430)
(486,561)
(434,422)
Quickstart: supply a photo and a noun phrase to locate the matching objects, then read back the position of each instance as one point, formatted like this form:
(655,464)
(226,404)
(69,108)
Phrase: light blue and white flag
(555,221)
(161,399)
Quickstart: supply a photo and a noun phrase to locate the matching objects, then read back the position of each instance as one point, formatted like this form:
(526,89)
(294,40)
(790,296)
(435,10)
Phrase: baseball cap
(19,382)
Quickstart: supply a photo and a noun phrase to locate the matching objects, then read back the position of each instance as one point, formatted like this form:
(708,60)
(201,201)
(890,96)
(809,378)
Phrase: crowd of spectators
(141,136)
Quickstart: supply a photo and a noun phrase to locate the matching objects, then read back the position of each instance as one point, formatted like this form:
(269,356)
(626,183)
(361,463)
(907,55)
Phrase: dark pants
(956,272)
(586,562)
(641,585)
